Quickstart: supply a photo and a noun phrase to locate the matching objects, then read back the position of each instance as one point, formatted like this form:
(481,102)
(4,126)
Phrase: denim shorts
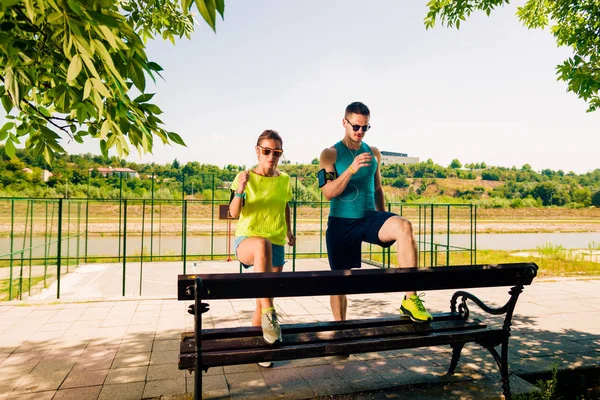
(277,250)
(344,238)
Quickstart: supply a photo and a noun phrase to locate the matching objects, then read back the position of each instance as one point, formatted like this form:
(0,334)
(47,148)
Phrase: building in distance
(391,158)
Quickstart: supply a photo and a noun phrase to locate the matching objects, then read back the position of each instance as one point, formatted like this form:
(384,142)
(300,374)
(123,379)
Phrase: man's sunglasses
(266,151)
(355,128)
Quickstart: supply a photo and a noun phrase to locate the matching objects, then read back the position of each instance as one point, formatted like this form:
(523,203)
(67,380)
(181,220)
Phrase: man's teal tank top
(359,196)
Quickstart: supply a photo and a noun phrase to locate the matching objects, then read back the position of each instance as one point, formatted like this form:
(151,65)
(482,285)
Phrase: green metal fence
(43,239)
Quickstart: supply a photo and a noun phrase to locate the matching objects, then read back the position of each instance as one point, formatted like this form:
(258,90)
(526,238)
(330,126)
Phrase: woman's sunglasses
(355,128)
(266,151)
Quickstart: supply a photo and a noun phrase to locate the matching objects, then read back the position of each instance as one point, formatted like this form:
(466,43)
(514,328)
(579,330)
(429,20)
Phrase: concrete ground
(104,347)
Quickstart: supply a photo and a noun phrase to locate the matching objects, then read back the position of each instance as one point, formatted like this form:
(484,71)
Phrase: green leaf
(74,68)
(144,97)
(99,86)
(207,8)
(87,88)
(7,104)
(110,37)
(9,148)
(221,7)
(3,135)
(30,10)
(7,126)
(176,138)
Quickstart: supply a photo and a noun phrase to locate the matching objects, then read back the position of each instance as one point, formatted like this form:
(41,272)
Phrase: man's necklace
(354,152)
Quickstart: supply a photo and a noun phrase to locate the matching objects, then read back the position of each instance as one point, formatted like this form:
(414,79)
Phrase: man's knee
(401,227)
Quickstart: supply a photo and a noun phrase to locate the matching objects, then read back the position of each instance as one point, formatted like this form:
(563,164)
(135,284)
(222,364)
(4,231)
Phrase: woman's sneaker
(270,326)
(413,307)
(266,364)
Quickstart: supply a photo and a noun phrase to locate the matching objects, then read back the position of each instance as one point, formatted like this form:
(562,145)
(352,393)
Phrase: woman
(260,198)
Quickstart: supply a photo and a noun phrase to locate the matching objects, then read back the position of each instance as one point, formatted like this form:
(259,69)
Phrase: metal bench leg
(502,362)
(456,349)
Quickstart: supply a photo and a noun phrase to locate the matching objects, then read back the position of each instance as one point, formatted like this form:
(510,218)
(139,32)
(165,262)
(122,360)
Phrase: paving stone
(84,378)
(123,391)
(126,375)
(81,393)
(164,387)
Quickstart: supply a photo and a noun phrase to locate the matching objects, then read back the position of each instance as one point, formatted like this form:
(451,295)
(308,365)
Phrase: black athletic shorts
(344,238)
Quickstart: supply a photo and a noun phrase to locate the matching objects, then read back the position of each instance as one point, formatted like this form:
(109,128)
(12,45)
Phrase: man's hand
(361,160)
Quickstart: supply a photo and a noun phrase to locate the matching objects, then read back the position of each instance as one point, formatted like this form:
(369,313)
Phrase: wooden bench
(230,346)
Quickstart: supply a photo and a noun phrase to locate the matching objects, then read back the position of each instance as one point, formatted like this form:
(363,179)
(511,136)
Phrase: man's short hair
(357,108)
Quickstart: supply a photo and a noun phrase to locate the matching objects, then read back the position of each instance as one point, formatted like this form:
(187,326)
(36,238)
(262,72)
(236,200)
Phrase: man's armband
(324,177)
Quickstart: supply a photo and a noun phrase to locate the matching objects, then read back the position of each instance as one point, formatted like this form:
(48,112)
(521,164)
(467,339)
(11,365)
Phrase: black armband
(324,176)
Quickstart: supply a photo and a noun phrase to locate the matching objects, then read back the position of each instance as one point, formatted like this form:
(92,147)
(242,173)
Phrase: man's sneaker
(266,364)
(413,307)
(270,327)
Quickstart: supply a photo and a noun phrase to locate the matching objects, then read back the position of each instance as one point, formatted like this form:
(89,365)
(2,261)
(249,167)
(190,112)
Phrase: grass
(553,263)
(5,286)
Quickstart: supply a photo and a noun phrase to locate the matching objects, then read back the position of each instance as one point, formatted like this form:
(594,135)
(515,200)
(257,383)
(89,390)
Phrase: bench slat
(318,283)
(219,333)
(246,356)
(334,335)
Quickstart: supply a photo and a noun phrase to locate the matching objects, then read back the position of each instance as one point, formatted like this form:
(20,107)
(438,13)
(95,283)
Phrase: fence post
(321,227)
(184,235)
(30,243)
(212,219)
(471,233)
(59,247)
(475,235)
(46,241)
(431,235)
(12,231)
(124,243)
(142,242)
(152,218)
(87,226)
(448,238)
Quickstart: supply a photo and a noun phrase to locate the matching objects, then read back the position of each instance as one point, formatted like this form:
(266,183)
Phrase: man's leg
(399,229)
(343,251)
(339,305)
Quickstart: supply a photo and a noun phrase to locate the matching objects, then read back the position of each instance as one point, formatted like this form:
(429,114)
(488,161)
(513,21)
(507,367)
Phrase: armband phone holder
(325,176)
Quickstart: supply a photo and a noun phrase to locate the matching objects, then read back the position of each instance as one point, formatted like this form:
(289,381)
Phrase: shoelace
(274,319)
(418,302)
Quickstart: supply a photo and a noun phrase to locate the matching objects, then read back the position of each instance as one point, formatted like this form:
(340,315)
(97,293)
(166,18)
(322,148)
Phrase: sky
(487,92)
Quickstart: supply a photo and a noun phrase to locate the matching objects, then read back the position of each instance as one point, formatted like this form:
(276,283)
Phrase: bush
(596,199)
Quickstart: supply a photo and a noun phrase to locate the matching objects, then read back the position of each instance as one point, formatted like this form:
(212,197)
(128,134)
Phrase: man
(351,179)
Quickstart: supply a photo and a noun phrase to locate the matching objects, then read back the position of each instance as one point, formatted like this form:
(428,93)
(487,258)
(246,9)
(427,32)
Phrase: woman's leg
(256,317)
(257,251)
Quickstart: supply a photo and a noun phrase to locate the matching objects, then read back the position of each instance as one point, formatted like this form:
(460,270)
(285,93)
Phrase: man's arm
(336,187)
(379,196)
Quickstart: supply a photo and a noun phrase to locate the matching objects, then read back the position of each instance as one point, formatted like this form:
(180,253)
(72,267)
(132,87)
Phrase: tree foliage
(574,23)
(77,69)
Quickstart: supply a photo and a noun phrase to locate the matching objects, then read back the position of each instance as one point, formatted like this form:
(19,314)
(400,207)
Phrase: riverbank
(199,221)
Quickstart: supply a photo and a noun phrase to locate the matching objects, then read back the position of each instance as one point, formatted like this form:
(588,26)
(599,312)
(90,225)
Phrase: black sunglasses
(355,128)
(266,151)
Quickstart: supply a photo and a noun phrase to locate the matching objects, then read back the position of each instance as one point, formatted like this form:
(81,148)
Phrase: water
(171,245)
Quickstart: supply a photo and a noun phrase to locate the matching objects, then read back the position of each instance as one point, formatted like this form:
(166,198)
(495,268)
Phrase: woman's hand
(243,181)
(291,239)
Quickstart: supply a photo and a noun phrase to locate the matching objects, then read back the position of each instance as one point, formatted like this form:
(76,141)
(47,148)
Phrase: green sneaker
(413,308)
(270,327)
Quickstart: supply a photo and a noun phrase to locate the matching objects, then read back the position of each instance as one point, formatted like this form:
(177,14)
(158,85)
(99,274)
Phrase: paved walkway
(126,348)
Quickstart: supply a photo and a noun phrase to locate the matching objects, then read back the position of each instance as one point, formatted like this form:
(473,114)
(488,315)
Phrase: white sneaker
(266,364)
(270,327)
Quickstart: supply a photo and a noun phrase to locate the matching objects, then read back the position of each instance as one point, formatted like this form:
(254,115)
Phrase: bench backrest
(318,283)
